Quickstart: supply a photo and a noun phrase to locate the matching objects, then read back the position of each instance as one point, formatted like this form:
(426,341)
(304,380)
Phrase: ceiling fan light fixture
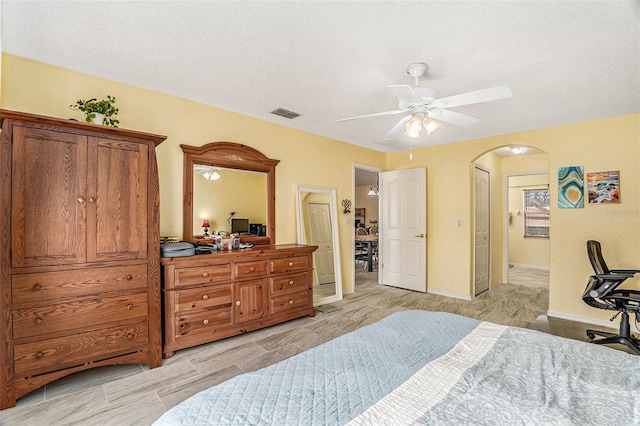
(519,149)
(211,174)
(430,125)
(414,126)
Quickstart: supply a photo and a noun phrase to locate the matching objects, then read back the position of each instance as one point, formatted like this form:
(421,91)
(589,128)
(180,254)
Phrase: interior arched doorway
(510,255)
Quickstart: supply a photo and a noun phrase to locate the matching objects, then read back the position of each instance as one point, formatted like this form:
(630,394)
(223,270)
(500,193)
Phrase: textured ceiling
(566,61)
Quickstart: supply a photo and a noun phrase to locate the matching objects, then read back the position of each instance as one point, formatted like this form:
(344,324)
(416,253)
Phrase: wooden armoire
(79,250)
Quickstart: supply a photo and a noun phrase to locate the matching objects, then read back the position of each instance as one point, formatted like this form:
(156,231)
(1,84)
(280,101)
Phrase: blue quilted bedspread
(420,367)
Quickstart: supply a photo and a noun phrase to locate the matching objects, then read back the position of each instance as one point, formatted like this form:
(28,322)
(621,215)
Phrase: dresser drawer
(289,264)
(289,283)
(203,297)
(78,313)
(71,351)
(251,269)
(202,275)
(211,322)
(31,288)
(289,302)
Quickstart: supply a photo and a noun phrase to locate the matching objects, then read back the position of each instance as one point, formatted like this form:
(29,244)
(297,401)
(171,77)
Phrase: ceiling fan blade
(377,114)
(404,93)
(398,129)
(453,117)
(484,95)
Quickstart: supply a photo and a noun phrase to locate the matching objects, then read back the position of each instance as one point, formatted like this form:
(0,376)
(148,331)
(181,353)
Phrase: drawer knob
(237,303)
(81,199)
(39,355)
(205,274)
(129,277)
(290,263)
(252,269)
(38,321)
(205,297)
(129,306)
(205,322)
(37,286)
(291,301)
(92,200)
(290,282)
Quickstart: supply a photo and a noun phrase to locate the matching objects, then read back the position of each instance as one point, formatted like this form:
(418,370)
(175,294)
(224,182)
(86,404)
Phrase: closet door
(48,197)
(117,207)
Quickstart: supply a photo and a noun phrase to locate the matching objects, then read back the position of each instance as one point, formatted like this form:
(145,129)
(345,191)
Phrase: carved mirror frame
(233,156)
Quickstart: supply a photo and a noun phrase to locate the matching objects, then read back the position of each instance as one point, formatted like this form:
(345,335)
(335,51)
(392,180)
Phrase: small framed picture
(359,212)
(604,187)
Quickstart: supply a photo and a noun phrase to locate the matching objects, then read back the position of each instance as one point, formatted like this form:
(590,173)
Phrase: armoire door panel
(48,198)
(117,208)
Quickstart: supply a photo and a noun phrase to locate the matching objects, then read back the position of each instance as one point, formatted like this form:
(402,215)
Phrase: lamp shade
(205,223)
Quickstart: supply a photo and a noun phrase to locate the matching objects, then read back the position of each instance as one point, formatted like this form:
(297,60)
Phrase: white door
(403,228)
(321,236)
(482,218)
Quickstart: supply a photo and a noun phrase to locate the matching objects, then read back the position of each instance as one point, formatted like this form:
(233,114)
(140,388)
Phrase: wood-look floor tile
(176,392)
(142,410)
(246,352)
(65,410)
(269,358)
(148,381)
(90,378)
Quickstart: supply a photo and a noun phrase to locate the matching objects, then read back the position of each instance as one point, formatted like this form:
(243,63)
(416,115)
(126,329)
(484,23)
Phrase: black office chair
(602,292)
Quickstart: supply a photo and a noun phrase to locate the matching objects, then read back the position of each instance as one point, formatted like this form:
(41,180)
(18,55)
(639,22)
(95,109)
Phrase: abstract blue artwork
(570,187)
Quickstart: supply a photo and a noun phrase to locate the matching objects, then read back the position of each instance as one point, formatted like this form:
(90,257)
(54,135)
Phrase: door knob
(419,236)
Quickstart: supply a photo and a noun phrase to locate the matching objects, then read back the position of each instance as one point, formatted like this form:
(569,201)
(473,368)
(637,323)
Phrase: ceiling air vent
(285,113)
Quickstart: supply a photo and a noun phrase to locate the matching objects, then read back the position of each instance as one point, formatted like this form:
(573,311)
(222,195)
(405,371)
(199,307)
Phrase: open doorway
(366,226)
(527,229)
(512,175)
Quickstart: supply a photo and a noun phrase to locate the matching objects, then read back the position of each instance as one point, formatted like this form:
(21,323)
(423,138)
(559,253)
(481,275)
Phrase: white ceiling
(566,61)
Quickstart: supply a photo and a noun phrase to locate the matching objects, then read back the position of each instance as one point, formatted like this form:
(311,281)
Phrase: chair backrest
(595,257)
(361,231)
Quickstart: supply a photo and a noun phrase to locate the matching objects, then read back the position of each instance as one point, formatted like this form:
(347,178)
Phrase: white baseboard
(586,320)
(447,294)
(522,265)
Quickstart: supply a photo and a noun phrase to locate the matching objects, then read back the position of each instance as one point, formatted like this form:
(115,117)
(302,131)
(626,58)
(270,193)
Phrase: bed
(421,367)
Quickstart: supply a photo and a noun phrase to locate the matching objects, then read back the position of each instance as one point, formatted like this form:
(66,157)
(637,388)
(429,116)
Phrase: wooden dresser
(213,296)
(79,250)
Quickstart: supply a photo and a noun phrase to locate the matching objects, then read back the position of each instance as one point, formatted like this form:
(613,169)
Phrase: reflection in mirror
(317,225)
(217,192)
(216,161)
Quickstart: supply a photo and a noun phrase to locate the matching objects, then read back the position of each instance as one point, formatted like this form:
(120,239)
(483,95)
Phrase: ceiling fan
(425,111)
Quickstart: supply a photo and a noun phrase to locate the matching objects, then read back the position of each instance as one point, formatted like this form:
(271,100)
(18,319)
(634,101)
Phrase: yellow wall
(600,145)
(305,159)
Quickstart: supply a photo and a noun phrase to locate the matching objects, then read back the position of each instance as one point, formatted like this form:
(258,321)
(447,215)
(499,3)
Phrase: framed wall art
(570,187)
(603,187)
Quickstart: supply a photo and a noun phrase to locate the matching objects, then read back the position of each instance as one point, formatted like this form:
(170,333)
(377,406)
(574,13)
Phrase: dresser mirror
(317,225)
(231,187)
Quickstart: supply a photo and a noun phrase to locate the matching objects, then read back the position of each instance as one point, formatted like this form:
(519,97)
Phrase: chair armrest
(605,283)
(630,272)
